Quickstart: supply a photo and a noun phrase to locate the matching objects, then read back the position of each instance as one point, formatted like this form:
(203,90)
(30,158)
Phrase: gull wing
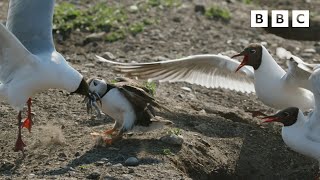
(31,22)
(13,55)
(299,72)
(209,70)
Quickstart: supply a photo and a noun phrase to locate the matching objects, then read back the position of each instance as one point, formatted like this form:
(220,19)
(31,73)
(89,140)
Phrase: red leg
(27,123)
(19,143)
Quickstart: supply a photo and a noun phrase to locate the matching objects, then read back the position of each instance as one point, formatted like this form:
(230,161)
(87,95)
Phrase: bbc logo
(280,18)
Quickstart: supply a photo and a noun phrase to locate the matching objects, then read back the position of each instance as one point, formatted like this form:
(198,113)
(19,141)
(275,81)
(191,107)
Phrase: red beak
(244,61)
(270,119)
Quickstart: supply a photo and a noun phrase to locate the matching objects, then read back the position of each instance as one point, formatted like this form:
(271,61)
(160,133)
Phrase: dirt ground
(221,140)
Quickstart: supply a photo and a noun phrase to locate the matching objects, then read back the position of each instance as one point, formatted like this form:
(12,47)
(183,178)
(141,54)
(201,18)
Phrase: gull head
(83,89)
(287,117)
(252,56)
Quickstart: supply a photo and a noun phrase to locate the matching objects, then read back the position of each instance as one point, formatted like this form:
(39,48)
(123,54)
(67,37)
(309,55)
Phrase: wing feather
(207,70)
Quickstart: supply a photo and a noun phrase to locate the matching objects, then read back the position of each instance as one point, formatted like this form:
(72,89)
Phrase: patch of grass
(165,3)
(113,81)
(84,166)
(216,12)
(115,36)
(175,131)
(247,1)
(167,152)
(151,86)
(136,28)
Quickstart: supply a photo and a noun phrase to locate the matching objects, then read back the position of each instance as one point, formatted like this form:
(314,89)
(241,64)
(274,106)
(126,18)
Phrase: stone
(131,161)
(310,50)
(186,89)
(94,175)
(198,8)
(172,139)
(94,37)
(108,55)
(133,8)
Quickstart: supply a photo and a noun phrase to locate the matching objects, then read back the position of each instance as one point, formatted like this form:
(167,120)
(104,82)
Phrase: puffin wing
(209,70)
(31,22)
(13,55)
(137,96)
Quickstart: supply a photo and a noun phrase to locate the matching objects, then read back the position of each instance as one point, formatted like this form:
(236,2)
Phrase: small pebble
(131,161)
(172,139)
(94,175)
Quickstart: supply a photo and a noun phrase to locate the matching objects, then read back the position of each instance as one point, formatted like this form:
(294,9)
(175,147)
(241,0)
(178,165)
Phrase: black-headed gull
(29,62)
(274,87)
(126,102)
(302,133)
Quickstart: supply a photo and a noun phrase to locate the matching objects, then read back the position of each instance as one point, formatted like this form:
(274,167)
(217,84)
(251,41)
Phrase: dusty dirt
(221,140)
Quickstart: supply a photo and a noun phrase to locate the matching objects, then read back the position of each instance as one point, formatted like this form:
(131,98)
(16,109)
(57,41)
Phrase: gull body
(302,133)
(274,86)
(29,63)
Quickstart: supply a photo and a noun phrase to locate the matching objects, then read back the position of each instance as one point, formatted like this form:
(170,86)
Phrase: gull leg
(27,123)
(19,143)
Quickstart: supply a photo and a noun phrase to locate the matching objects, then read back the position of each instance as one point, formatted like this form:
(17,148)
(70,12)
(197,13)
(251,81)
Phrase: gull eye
(252,51)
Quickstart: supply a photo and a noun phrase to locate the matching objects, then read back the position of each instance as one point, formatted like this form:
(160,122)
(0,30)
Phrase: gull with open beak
(127,102)
(302,133)
(258,72)
(29,63)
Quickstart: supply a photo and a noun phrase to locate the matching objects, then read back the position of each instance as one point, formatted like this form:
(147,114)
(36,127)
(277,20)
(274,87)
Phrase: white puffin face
(97,85)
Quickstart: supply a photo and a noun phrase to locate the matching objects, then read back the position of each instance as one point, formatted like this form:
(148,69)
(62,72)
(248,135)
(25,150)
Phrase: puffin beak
(244,61)
(273,118)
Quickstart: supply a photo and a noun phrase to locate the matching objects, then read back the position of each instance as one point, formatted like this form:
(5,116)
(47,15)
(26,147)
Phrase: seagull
(127,102)
(29,62)
(258,72)
(302,133)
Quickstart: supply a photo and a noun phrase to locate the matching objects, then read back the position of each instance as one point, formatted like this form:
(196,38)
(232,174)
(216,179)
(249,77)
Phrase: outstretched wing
(209,70)
(299,72)
(31,22)
(13,55)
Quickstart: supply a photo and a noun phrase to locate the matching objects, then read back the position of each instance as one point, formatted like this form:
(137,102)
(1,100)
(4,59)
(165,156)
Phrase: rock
(77,154)
(62,155)
(186,89)
(131,171)
(306,55)
(131,161)
(94,175)
(90,65)
(264,43)
(105,159)
(94,37)
(160,58)
(6,166)
(199,9)
(244,42)
(172,139)
(133,9)
(99,163)
(176,19)
(108,55)
(310,50)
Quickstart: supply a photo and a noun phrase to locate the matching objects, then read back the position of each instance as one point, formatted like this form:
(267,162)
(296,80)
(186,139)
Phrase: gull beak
(273,118)
(244,61)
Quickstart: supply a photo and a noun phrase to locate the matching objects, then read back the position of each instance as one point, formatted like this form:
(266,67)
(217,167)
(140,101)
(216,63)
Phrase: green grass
(216,12)
(165,3)
(175,131)
(167,152)
(113,20)
(151,86)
